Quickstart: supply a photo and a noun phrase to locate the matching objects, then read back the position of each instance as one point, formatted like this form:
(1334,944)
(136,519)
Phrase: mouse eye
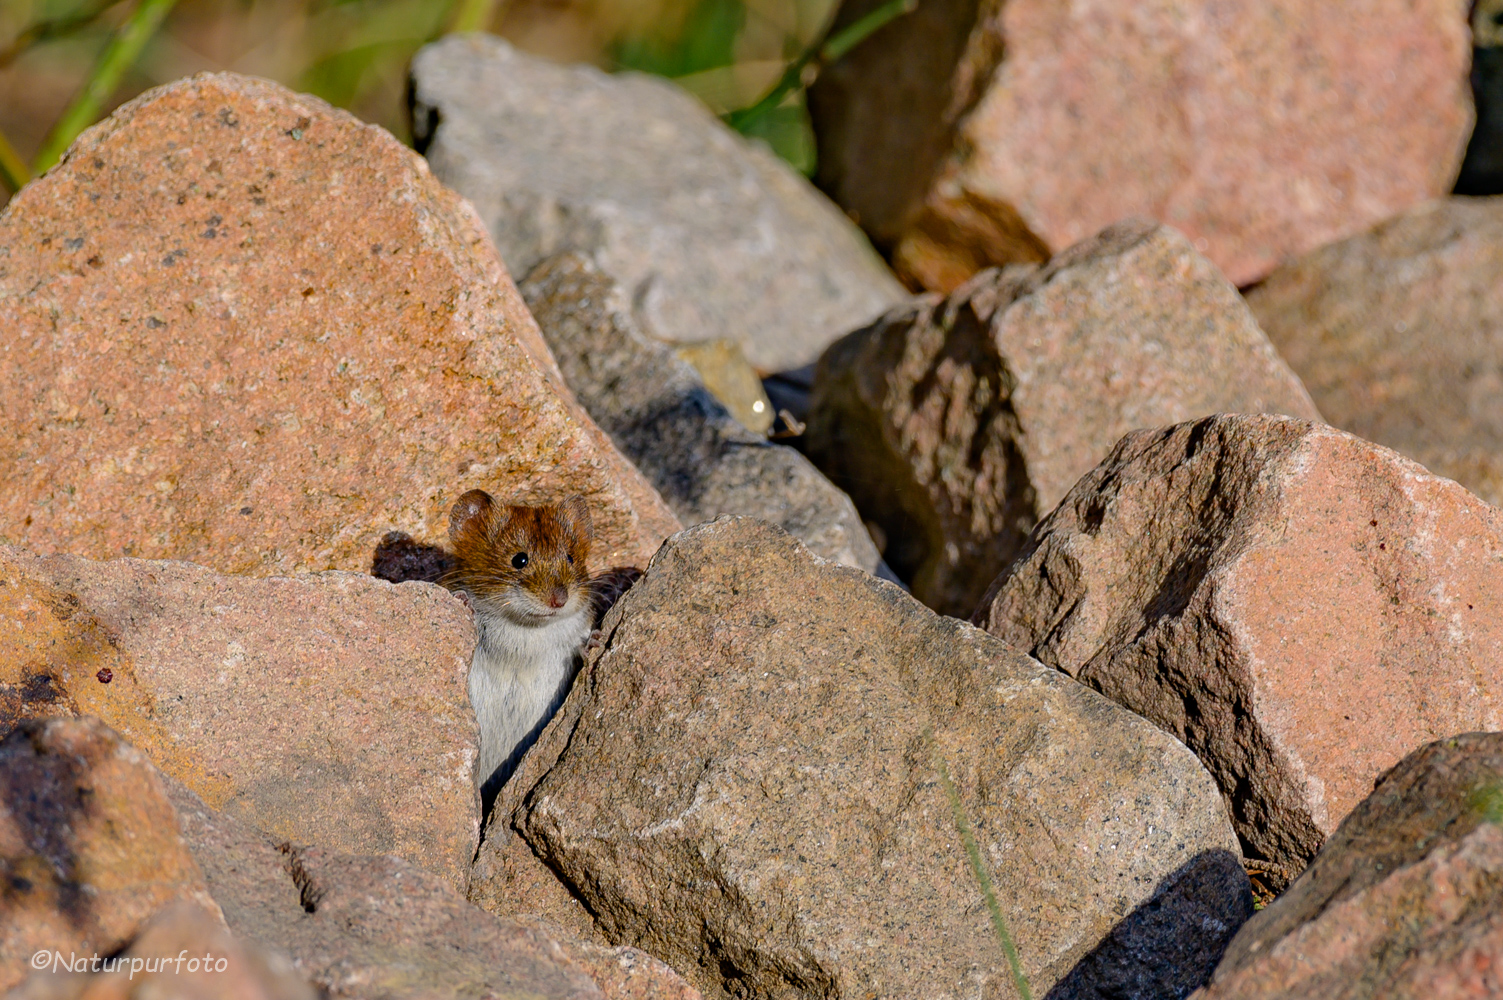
(570,558)
(519,560)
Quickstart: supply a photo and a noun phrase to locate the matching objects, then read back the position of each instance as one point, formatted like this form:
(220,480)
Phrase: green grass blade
(119,55)
(792,80)
(857,31)
(983,880)
(12,168)
(837,45)
(58,27)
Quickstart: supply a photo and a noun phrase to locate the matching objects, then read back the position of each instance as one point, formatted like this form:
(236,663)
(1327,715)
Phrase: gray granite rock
(713,236)
(745,781)
(659,414)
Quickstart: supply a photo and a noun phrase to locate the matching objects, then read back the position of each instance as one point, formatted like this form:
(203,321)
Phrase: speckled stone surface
(620,973)
(711,235)
(740,783)
(378,927)
(1405,902)
(247,330)
(956,423)
(659,413)
(89,844)
(1398,334)
(1301,607)
(1261,129)
(328,709)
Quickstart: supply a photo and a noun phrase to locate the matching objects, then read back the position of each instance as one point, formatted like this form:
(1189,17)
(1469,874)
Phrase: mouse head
(522,563)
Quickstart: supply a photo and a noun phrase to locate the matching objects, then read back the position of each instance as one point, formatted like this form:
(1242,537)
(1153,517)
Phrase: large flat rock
(1301,607)
(247,330)
(328,709)
(1260,129)
(956,423)
(1398,334)
(711,235)
(1405,902)
(745,781)
(658,412)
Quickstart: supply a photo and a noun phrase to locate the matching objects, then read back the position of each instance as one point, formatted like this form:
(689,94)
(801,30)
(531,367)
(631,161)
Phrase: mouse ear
(468,513)
(575,513)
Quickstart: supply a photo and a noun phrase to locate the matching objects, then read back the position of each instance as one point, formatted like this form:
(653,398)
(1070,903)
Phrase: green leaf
(707,40)
(788,132)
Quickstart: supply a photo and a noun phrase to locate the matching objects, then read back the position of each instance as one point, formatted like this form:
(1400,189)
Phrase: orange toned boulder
(247,330)
(1405,902)
(1300,607)
(1398,334)
(89,844)
(1260,129)
(954,424)
(329,708)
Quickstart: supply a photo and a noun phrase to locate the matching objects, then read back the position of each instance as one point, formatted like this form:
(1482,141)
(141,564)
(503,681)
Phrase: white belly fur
(518,678)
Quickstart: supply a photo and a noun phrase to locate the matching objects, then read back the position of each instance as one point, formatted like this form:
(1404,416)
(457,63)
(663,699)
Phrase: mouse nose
(558,597)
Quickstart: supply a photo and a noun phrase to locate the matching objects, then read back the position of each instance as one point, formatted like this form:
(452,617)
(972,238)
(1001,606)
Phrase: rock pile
(956,423)
(121,838)
(1299,606)
(273,699)
(987,133)
(745,784)
(658,412)
(250,349)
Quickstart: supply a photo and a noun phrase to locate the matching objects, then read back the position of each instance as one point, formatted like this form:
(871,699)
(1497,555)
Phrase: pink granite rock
(1398,334)
(1300,607)
(247,330)
(1259,129)
(1405,902)
(955,424)
(89,845)
(328,709)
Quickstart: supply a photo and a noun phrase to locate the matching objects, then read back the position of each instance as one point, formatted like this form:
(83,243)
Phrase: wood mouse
(523,572)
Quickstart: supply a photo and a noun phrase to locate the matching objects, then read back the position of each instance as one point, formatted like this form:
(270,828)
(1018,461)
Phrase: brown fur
(487,537)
